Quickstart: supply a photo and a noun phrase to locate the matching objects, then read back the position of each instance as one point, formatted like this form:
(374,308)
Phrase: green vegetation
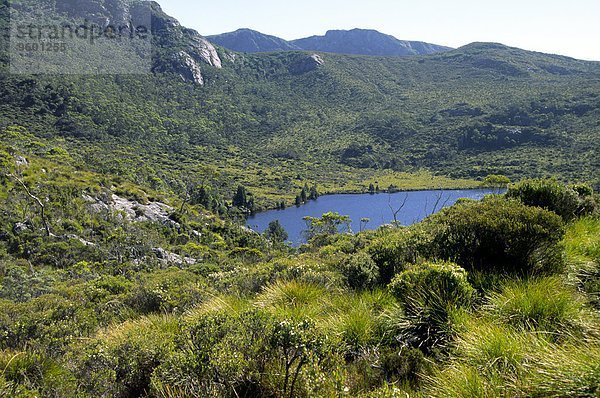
(121,290)
(440,121)
(126,271)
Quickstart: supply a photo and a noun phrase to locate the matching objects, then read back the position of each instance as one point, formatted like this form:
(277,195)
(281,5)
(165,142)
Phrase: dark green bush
(405,365)
(430,294)
(394,251)
(224,354)
(499,235)
(566,201)
(360,271)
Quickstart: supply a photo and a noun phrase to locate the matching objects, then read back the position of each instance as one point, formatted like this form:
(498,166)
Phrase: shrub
(360,271)
(499,235)
(404,365)
(247,354)
(394,251)
(566,201)
(120,361)
(430,294)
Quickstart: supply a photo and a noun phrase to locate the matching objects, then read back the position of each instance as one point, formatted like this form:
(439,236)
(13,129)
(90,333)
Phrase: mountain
(251,41)
(366,42)
(276,121)
(356,41)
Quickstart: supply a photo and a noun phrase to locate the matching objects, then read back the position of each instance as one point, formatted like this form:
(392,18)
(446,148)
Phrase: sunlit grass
(544,305)
(582,245)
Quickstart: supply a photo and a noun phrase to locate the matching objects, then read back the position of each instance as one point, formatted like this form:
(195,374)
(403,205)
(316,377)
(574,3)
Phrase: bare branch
(438,200)
(38,202)
(395,212)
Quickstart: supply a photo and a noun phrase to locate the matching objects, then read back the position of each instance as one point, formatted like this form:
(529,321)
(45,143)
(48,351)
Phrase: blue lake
(418,205)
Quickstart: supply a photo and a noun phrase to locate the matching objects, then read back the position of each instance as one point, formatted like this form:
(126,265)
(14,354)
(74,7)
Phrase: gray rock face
(102,12)
(306,64)
(178,50)
(135,211)
(205,51)
(187,68)
(187,48)
(172,258)
(19,228)
(20,161)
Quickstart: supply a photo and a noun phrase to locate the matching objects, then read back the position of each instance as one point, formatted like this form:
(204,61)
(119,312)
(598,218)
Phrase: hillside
(276,121)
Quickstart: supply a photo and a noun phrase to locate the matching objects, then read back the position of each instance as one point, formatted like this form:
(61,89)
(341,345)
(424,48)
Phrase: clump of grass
(563,371)
(216,304)
(544,304)
(295,300)
(493,348)
(356,318)
(460,380)
(25,374)
(497,360)
(582,246)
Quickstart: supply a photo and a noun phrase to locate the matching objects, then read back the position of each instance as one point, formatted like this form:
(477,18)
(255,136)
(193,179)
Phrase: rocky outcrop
(204,50)
(306,64)
(181,51)
(132,210)
(138,212)
(187,68)
(177,49)
(172,258)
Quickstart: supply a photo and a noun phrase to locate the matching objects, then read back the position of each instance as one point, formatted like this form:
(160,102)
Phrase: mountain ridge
(355,41)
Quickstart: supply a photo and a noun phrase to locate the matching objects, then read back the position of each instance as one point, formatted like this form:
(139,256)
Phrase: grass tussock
(582,246)
(544,305)
(499,361)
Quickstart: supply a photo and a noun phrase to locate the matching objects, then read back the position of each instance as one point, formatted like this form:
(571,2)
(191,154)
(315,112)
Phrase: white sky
(560,27)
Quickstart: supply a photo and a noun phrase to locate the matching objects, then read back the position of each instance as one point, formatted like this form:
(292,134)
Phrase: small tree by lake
(276,233)
(329,224)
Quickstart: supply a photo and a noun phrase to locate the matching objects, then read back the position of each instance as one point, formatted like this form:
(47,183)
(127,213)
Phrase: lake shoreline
(385,192)
(404,206)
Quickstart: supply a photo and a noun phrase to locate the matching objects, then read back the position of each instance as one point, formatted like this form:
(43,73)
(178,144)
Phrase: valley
(128,263)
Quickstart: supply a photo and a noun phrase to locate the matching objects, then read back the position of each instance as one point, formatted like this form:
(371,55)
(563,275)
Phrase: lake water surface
(419,204)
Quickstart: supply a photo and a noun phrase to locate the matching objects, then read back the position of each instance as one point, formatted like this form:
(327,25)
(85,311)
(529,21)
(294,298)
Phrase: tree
(363,223)
(276,233)
(498,182)
(329,224)
(240,198)
(243,199)
(396,211)
(304,194)
(372,189)
(313,193)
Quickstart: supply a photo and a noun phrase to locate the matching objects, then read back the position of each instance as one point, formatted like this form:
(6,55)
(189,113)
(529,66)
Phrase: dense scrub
(485,298)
